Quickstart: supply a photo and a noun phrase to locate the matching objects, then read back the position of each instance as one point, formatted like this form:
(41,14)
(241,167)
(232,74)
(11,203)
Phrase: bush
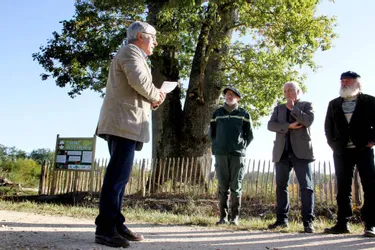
(21,171)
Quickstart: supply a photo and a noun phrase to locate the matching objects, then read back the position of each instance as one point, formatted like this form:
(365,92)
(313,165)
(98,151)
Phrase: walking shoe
(369,232)
(115,240)
(129,235)
(339,228)
(278,224)
(222,221)
(308,227)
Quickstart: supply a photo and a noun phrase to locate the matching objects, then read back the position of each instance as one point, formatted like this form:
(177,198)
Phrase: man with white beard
(350,132)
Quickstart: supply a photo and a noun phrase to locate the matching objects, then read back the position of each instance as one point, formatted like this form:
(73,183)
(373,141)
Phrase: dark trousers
(302,168)
(230,173)
(344,167)
(116,177)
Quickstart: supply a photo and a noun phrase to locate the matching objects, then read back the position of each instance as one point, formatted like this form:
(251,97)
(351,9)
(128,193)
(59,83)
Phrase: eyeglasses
(152,35)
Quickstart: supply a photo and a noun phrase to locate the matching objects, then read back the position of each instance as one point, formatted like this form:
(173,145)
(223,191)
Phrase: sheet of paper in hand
(168,86)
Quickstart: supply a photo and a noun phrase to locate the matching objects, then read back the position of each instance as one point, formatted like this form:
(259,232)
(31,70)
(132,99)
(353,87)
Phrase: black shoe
(338,229)
(278,224)
(308,227)
(116,240)
(129,235)
(222,221)
(369,232)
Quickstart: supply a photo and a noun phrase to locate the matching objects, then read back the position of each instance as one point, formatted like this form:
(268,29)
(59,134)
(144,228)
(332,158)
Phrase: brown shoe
(115,240)
(129,235)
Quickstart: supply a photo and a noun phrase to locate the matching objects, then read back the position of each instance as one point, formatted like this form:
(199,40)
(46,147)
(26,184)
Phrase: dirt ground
(33,231)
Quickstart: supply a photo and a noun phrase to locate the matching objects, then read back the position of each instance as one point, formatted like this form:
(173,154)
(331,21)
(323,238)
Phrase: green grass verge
(140,215)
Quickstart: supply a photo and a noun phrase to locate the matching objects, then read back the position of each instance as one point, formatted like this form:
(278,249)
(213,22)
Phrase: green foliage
(22,171)
(42,154)
(22,168)
(275,39)
(81,53)
(9,153)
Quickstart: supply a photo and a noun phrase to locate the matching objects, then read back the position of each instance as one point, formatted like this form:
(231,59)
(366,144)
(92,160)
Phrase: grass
(141,215)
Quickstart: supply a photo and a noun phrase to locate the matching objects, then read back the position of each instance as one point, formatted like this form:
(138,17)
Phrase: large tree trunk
(206,82)
(178,133)
(166,120)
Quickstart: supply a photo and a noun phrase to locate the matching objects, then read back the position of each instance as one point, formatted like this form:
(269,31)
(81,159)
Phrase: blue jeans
(302,169)
(116,177)
(344,168)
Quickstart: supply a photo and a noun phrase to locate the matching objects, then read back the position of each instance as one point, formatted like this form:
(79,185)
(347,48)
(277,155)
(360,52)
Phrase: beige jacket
(129,93)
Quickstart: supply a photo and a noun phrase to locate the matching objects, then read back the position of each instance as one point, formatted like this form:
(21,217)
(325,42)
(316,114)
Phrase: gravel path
(33,231)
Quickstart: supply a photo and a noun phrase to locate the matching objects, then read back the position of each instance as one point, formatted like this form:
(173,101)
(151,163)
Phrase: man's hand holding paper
(167,86)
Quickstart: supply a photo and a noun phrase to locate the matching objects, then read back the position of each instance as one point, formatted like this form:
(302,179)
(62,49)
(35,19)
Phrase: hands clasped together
(290,105)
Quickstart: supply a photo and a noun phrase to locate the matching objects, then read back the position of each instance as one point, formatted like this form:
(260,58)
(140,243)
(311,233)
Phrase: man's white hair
(134,28)
(351,91)
(358,80)
(294,84)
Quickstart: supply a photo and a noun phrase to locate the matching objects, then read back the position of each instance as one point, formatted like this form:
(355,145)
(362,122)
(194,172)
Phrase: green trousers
(230,172)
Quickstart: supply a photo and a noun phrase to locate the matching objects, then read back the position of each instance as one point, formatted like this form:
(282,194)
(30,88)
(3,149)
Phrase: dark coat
(361,128)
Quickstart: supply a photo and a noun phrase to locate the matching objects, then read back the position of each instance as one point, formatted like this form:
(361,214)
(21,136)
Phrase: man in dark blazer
(350,132)
(293,149)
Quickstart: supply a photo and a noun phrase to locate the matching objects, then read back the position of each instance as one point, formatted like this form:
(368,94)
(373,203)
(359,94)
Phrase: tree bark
(184,133)
(166,120)
(206,82)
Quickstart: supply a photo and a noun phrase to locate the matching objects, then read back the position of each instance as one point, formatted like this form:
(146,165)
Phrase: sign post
(74,154)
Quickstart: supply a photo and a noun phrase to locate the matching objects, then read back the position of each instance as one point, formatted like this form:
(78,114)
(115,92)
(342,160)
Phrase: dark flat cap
(236,91)
(349,74)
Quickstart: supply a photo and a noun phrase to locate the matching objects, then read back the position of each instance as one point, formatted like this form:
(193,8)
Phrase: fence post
(357,188)
(330,182)
(325,183)
(273,178)
(190,175)
(173,179)
(159,174)
(263,179)
(320,185)
(257,180)
(143,184)
(247,183)
(291,186)
(268,174)
(42,177)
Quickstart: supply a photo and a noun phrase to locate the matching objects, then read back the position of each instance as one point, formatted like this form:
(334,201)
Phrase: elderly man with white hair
(350,132)
(124,123)
(293,149)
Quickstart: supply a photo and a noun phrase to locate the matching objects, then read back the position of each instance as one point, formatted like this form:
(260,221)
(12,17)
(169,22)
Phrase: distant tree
(11,153)
(3,153)
(41,154)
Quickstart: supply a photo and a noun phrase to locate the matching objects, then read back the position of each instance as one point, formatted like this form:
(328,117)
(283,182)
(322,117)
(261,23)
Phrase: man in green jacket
(231,133)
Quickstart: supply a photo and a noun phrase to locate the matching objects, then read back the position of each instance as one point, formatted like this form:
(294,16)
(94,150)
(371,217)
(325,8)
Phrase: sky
(33,111)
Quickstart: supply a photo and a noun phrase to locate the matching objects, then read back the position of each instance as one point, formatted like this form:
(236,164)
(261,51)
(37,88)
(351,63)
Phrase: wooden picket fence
(193,177)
